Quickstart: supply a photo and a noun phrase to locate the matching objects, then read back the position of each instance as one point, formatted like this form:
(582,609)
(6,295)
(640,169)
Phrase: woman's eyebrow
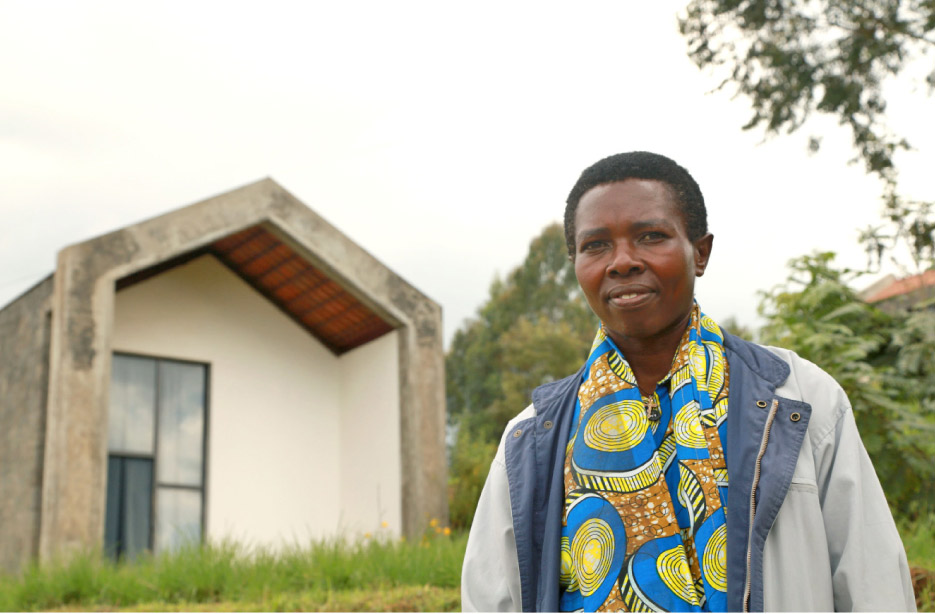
(591,232)
(643,224)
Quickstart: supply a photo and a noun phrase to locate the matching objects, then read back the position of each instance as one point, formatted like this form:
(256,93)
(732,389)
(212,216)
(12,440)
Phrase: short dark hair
(640,165)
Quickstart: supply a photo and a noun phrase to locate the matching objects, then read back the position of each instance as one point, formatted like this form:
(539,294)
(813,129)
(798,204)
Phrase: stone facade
(24,375)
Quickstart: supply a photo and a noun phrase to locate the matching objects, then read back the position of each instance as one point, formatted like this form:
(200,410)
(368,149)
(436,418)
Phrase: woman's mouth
(629,298)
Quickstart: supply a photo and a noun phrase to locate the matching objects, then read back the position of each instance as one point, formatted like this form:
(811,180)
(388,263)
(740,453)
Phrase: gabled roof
(316,275)
(317,302)
(890,287)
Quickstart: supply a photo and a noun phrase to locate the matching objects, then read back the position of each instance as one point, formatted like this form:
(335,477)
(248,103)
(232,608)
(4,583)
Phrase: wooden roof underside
(302,291)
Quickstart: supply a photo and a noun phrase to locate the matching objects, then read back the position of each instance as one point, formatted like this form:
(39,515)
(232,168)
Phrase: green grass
(337,575)
(325,576)
(919,539)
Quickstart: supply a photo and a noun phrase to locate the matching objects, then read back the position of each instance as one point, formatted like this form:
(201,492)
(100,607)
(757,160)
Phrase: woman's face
(634,260)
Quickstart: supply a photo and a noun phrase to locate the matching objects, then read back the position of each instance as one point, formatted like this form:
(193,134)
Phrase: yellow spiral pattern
(691,496)
(716,415)
(598,339)
(592,549)
(711,326)
(714,560)
(621,368)
(567,573)
(716,370)
(699,365)
(680,378)
(688,430)
(616,426)
(672,566)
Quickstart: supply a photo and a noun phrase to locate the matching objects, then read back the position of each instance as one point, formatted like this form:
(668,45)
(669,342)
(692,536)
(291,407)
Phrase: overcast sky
(440,136)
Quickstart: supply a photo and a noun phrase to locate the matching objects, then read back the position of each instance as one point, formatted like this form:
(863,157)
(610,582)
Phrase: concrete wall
(299,441)
(24,373)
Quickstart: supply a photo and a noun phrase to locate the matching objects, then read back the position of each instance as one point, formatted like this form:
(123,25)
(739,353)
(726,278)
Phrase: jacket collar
(758,359)
(548,397)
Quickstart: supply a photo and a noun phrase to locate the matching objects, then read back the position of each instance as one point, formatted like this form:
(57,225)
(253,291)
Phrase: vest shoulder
(809,383)
(799,380)
(550,397)
(805,377)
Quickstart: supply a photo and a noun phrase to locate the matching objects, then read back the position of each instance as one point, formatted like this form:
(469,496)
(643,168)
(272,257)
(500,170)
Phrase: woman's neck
(651,358)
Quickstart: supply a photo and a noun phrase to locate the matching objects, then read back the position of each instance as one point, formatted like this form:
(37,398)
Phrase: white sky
(441,137)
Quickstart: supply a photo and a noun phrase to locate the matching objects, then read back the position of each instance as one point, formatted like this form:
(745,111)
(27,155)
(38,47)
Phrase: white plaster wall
(279,441)
(370,437)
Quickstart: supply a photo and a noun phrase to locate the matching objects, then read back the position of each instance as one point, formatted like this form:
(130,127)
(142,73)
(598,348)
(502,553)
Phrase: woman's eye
(591,246)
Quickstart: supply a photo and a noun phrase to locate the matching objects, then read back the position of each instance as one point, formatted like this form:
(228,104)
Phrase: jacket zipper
(756,479)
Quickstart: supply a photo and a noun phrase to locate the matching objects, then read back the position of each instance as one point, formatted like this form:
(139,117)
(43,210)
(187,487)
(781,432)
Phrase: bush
(470,463)
(884,361)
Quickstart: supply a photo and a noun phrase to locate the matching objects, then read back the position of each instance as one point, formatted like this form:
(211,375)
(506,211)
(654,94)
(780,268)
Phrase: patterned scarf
(645,499)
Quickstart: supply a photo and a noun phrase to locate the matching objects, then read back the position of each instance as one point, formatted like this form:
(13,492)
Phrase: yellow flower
(433,522)
(447,531)
(367,536)
(385,524)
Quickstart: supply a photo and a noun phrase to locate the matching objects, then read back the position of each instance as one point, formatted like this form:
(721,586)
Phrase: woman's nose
(624,261)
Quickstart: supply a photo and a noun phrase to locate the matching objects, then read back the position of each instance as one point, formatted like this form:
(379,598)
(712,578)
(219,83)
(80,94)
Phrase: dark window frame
(154,457)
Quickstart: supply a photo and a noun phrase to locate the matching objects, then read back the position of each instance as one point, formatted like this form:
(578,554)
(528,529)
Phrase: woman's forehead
(633,201)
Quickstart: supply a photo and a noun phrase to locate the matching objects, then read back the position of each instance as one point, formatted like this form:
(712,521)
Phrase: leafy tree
(539,301)
(534,328)
(883,361)
(795,58)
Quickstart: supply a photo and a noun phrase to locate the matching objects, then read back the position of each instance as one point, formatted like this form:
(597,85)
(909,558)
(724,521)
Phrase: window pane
(181,423)
(178,518)
(129,506)
(137,505)
(131,416)
(112,518)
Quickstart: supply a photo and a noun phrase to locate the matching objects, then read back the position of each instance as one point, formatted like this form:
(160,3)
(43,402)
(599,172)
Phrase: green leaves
(534,328)
(792,58)
(884,361)
(538,304)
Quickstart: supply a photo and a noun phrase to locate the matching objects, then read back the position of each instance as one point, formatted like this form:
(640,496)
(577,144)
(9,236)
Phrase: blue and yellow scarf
(645,499)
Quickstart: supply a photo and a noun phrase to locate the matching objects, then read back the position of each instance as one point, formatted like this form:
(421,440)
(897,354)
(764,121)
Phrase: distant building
(891,293)
(237,368)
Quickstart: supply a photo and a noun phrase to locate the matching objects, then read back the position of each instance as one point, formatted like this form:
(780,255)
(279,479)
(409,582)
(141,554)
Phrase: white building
(234,369)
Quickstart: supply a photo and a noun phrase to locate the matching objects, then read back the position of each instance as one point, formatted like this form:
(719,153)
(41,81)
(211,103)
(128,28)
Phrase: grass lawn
(337,575)
(333,576)
(395,599)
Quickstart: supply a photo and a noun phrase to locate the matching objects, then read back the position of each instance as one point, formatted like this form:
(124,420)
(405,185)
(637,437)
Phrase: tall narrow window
(155,468)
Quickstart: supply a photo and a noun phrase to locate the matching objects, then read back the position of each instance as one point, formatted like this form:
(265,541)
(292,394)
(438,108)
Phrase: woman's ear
(702,253)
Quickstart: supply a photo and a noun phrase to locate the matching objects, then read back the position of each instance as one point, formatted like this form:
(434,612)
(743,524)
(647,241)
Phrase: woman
(682,468)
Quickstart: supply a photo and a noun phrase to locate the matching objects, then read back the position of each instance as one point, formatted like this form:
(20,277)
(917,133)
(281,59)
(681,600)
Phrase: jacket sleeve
(868,562)
(490,575)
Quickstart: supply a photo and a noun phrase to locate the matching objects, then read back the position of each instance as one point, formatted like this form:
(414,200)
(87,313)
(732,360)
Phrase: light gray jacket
(809,528)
